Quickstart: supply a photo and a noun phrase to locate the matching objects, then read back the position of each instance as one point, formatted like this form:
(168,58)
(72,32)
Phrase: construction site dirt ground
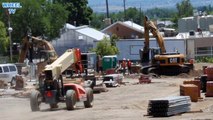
(127,102)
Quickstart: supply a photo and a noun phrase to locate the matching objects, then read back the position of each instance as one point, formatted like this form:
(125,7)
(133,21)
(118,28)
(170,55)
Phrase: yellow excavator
(39,48)
(162,62)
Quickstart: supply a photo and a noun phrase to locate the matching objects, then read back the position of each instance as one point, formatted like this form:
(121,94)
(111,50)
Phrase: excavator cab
(147,56)
(154,51)
(47,55)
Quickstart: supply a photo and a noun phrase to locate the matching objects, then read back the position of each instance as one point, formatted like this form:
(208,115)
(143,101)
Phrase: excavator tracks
(166,70)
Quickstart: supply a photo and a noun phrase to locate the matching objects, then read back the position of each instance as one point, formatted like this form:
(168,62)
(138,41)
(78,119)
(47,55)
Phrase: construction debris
(144,79)
(19,83)
(2,84)
(113,80)
(169,106)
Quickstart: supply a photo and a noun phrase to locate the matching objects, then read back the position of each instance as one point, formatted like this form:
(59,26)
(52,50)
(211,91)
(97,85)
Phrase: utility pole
(107,9)
(10,9)
(10,29)
(124,9)
(107,20)
(140,15)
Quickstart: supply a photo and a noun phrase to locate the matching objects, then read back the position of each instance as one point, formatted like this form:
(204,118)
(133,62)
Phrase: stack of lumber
(169,106)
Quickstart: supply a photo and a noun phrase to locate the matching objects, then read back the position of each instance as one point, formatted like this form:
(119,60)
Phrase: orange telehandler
(53,89)
(162,62)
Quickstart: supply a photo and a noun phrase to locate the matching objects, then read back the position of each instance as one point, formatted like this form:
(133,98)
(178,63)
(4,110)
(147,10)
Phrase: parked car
(8,73)
(113,80)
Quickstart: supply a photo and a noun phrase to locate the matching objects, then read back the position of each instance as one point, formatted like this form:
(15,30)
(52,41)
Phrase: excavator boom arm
(46,52)
(30,41)
(24,49)
(149,25)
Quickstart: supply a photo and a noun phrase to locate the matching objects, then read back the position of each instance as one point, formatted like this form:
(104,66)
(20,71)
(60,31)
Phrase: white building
(198,44)
(193,23)
(129,48)
(192,46)
(82,37)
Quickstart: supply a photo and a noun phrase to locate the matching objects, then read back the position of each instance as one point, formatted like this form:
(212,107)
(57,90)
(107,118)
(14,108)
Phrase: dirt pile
(2,84)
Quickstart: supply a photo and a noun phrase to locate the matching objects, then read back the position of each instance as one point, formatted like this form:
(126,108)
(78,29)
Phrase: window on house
(204,50)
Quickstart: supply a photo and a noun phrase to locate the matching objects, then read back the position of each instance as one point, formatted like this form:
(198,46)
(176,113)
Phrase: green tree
(104,47)
(185,9)
(208,9)
(79,12)
(175,21)
(132,13)
(97,20)
(135,15)
(160,13)
(3,39)
(42,17)
(55,16)
(113,39)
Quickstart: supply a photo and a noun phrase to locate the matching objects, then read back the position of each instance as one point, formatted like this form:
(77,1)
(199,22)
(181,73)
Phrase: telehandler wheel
(89,102)
(71,99)
(35,100)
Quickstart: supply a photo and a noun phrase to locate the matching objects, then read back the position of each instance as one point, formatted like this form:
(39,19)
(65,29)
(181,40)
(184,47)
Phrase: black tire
(13,82)
(35,100)
(89,102)
(71,99)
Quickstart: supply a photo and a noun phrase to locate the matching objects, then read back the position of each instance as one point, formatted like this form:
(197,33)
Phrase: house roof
(87,31)
(69,26)
(185,35)
(134,25)
(193,17)
(128,24)
(91,32)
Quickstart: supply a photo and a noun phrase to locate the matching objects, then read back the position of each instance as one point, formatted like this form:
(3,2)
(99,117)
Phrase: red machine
(52,89)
